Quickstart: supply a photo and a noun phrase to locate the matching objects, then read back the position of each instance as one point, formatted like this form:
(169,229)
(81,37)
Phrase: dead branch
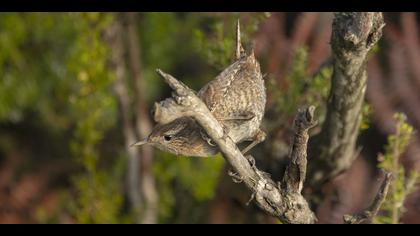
(286,203)
(296,170)
(372,210)
(353,36)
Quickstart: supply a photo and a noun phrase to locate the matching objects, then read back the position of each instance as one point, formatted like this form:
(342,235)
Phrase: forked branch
(284,202)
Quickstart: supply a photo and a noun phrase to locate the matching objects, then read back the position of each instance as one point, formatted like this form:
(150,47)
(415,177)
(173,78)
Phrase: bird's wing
(218,91)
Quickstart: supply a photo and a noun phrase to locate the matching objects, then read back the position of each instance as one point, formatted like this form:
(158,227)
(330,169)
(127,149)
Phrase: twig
(373,209)
(288,206)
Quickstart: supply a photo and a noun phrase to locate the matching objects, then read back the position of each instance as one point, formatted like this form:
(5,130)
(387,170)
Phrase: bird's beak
(140,143)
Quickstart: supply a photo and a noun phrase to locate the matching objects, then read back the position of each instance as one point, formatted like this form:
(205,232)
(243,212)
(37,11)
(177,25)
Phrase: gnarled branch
(353,35)
(286,203)
(295,174)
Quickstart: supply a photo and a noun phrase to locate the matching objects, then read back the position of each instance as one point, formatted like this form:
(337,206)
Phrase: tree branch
(114,36)
(373,209)
(334,149)
(296,171)
(289,206)
(143,124)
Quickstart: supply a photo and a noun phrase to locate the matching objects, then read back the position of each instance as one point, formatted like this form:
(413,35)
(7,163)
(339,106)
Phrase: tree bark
(334,149)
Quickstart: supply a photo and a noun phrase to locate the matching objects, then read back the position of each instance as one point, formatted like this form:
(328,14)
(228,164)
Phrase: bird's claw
(235,177)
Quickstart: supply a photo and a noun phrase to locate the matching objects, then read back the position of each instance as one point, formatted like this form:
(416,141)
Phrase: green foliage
(302,89)
(375,49)
(159,33)
(366,116)
(54,71)
(197,176)
(93,107)
(402,183)
(99,195)
(53,67)
(218,45)
(31,64)
(11,60)
(219,49)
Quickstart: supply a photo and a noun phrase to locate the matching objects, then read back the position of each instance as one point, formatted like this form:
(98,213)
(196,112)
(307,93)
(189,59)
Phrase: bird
(236,98)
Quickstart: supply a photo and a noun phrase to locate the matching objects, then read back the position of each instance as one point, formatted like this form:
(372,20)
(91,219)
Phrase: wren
(236,98)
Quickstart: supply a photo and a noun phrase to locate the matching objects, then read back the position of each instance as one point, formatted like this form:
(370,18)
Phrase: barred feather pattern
(236,98)
(236,92)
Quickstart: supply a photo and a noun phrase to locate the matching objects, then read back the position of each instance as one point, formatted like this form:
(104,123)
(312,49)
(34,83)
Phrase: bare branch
(288,206)
(114,36)
(373,209)
(143,124)
(353,36)
(296,171)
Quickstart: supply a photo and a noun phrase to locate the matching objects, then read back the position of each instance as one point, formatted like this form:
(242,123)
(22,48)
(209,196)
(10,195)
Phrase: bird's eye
(167,138)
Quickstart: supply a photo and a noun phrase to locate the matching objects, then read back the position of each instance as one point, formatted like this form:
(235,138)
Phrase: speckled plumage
(236,98)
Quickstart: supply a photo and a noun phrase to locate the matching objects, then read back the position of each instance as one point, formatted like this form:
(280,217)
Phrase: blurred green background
(60,124)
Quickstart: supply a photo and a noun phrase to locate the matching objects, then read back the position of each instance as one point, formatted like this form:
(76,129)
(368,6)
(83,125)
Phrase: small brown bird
(236,98)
